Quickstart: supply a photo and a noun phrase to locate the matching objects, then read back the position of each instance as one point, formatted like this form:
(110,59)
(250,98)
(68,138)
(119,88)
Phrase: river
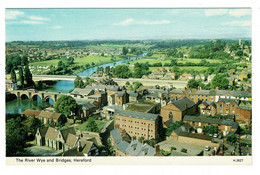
(64,86)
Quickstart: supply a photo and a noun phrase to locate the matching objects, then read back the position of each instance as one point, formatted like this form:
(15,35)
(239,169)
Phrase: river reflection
(18,106)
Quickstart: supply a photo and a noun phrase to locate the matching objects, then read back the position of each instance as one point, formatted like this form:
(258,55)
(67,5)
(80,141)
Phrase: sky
(132,24)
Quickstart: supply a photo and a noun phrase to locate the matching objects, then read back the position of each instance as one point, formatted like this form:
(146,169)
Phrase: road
(120,81)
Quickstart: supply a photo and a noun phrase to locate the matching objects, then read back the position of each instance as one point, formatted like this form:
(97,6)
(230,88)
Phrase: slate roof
(227,101)
(103,87)
(82,91)
(71,140)
(193,135)
(245,105)
(31,113)
(135,148)
(87,105)
(122,146)
(186,127)
(43,131)
(139,115)
(51,133)
(206,119)
(49,115)
(133,94)
(180,104)
(86,146)
(120,93)
(116,136)
(65,132)
(176,91)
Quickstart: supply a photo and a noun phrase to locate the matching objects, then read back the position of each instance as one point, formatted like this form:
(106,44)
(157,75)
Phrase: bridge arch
(49,99)
(36,97)
(24,96)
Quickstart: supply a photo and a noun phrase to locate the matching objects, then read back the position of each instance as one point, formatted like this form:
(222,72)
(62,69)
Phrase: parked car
(215,135)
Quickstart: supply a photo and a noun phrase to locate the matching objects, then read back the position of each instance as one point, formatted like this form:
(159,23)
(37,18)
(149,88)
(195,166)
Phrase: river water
(64,86)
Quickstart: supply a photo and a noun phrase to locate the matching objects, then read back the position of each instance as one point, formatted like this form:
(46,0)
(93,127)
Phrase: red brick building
(177,109)
(227,106)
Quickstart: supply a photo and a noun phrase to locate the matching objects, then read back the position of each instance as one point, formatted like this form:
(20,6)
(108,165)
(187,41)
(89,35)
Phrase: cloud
(238,23)
(132,21)
(125,22)
(38,18)
(153,22)
(215,12)
(240,12)
(57,27)
(13,14)
(30,22)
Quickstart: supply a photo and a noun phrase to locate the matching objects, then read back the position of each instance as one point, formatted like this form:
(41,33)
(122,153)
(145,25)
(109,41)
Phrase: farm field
(180,60)
(79,61)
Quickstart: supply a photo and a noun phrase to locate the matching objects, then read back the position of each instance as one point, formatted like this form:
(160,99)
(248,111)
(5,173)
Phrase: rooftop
(139,115)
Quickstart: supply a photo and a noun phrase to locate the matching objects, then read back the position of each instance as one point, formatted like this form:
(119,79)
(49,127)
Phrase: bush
(184,150)
(173,148)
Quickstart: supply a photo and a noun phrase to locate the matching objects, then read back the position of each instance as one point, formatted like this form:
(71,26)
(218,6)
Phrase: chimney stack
(185,106)
(142,142)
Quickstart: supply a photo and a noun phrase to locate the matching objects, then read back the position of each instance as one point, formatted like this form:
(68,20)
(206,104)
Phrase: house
(208,108)
(134,96)
(243,113)
(80,93)
(50,117)
(87,108)
(100,97)
(124,146)
(66,141)
(10,85)
(31,113)
(227,106)
(138,124)
(210,77)
(186,77)
(121,97)
(177,109)
(198,122)
(185,137)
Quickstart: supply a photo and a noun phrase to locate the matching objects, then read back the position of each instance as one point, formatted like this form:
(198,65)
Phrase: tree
(122,71)
(92,125)
(124,51)
(193,83)
(21,77)
(127,83)
(78,82)
(88,81)
(66,105)
(13,76)
(15,136)
(28,77)
(220,81)
(32,123)
(137,85)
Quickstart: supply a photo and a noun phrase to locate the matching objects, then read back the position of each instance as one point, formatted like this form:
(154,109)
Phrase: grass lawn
(100,124)
(79,61)
(180,60)
(185,68)
(53,62)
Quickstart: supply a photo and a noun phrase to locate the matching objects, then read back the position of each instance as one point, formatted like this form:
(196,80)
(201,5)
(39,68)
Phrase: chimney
(185,106)
(142,142)
(157,148)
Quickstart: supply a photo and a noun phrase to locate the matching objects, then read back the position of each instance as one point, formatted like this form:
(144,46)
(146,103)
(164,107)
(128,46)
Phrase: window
(227,105)
(226,111)
(199,123)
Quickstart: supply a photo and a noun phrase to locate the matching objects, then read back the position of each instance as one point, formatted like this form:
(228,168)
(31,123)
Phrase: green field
(79,61)
(100,124)
(180,60)
(185,68)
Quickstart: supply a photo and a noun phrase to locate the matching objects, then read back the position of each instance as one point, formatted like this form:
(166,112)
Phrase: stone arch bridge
(44,95)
